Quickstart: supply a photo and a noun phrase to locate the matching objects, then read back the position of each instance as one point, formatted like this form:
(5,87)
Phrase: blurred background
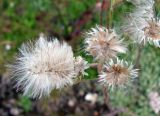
(23,20)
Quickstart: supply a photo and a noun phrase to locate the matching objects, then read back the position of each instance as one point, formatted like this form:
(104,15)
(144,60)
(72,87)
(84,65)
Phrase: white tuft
(103,44)
(43,66)
(143,31)
(80,66)
(117,73)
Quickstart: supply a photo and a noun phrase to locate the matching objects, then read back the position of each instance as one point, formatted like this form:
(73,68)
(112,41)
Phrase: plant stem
(110,14)
(137,61)
(93,65)
(101,13)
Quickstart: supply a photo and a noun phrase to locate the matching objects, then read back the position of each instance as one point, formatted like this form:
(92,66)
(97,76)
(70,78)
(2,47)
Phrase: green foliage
(120,12)
(92,74)
(25,103)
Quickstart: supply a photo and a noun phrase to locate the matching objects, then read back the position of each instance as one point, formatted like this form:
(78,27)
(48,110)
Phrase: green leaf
(25,103)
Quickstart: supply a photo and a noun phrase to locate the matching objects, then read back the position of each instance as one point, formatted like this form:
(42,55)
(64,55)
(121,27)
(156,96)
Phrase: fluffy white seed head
(143,9)
(143,31)
(117,73)
(43,66)
(152,32)
(80,66)
(141,23)
(103,44)
(142,2)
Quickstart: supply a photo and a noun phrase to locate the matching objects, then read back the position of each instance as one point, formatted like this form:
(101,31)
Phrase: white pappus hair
(103,44)
(117,73)
(43,66)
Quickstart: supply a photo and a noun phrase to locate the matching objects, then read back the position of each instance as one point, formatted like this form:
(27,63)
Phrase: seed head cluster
(142,24)
(46,65)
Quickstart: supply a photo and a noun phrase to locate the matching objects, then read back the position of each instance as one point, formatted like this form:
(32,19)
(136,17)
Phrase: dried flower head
(144,10)
(103,44)
(80,66)
(43,66)
(141,2)
(142,25)
(117,73)
(144,30)
(152,32)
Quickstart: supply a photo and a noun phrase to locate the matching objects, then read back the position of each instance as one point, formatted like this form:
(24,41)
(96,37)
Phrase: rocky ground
(80,100)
